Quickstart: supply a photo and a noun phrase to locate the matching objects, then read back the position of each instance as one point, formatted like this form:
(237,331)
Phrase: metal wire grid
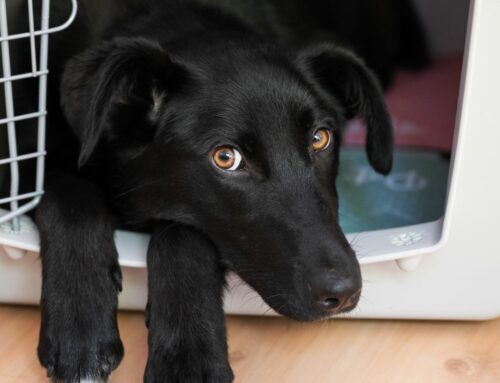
(39,69)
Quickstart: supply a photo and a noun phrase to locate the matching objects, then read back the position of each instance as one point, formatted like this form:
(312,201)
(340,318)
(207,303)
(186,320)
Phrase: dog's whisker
(135,188)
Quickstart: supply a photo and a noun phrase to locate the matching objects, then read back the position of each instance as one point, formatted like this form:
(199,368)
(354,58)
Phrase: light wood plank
(277,350)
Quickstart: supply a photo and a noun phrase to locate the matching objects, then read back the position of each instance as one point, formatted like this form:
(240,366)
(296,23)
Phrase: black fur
(147,90)
(183,265)
(81,280)
(386,33)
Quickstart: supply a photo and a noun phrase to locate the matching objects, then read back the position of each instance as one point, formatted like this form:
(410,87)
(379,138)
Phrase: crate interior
(423,104)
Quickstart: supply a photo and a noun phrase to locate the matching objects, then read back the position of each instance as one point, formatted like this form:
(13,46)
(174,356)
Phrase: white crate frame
(39,69)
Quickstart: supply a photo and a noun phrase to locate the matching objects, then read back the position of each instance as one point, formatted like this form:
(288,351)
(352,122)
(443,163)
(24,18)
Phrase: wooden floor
(276,350)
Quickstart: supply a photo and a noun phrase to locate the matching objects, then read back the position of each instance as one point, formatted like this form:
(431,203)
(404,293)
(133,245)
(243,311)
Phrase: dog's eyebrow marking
(305,118)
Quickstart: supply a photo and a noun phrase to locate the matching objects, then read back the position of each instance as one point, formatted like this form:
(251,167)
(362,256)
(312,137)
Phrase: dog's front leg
(79,338)
(187,336)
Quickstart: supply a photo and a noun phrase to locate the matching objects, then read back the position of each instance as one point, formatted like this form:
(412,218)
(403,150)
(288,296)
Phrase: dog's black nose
(333,294)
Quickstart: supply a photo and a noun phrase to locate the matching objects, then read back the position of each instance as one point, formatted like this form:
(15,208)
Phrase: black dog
(186,121)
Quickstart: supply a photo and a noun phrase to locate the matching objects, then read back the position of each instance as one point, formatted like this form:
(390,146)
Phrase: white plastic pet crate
(447,269)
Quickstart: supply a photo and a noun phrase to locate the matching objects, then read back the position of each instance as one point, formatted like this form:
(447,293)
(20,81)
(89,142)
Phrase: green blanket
(414,192)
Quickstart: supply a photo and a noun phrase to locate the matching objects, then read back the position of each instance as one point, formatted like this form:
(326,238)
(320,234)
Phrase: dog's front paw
(79,351)
(187,367)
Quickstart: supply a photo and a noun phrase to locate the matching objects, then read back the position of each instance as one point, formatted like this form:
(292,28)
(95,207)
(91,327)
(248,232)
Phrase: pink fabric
(423,106)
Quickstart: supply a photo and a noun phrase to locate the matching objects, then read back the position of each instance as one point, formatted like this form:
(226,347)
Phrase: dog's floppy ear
(341,74)
(114,90)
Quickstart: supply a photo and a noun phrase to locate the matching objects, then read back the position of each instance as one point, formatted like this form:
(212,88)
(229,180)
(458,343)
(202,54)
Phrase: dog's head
(242,145)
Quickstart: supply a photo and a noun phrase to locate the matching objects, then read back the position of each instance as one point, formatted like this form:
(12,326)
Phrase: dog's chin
(303,313)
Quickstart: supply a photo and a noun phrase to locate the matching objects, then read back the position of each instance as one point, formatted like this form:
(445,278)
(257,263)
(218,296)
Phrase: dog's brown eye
(321,139)
(227,158)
